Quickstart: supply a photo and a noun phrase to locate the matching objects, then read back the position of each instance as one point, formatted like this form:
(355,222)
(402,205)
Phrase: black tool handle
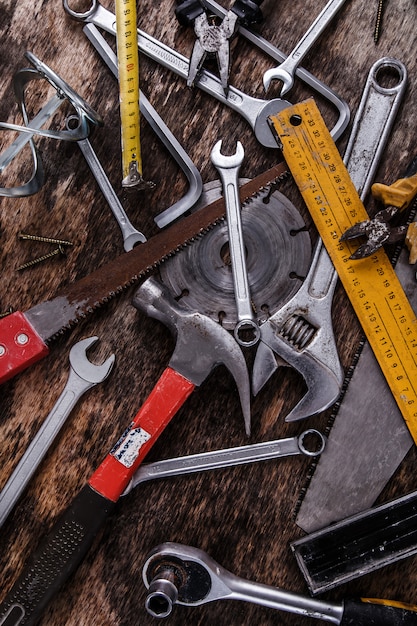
(378,613)
(56,558)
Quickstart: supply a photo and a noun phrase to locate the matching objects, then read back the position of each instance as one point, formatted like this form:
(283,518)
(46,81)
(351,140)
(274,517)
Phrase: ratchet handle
(57,557)
(115,472)
(20,345)
(368,612)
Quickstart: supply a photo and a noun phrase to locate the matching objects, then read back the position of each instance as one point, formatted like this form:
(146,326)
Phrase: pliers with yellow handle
(396,198)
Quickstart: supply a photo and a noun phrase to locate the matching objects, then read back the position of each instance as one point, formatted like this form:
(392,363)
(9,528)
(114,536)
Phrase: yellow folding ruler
(371,284)
(128,65)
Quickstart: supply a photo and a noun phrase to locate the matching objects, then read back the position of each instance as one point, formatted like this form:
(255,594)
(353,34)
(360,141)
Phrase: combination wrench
(254,110)
(131,236)
(311,443)
(246,331)
(83,376)
(286,71)
(301,331)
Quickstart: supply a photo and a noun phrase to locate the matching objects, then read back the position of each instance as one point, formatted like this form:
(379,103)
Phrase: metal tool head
(201,343)
(277,73)
(86,369)
(376,230)
(221,160)
(177,574)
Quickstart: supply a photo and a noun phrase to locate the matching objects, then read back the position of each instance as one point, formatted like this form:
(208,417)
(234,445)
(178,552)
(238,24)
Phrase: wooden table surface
(244,517)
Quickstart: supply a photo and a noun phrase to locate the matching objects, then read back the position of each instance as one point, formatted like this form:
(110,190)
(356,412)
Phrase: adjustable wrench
(286,71)
(131,236)
(254,110)
(230,457)
(83,375)
(246,331)
(301,331)
(178,574)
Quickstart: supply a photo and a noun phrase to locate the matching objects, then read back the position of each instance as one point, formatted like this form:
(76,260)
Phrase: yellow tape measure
(128,64)
(371,283)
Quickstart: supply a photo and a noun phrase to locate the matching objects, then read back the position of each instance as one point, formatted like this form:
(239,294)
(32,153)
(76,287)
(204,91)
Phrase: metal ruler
(371,284)
(128,65)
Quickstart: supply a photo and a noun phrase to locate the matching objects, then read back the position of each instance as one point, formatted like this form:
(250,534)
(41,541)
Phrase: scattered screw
(378,21)
(61,242)
(6,313)
(59,250)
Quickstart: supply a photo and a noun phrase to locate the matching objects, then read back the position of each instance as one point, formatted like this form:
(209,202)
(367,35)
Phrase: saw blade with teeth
(278,256)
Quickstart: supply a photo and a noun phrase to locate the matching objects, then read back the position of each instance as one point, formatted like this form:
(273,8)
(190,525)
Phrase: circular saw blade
(278,256)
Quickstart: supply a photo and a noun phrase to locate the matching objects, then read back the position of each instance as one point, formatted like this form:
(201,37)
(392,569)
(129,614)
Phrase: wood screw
(61,242)
(59,250)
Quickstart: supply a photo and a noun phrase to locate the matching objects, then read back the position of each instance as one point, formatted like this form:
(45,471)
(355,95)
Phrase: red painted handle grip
(115,472)
(20,345)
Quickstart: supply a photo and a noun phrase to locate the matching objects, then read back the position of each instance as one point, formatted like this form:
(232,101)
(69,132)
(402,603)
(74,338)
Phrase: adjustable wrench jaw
(201,343)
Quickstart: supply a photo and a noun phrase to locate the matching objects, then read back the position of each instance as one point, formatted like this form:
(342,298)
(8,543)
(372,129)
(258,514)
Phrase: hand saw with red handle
(24,336)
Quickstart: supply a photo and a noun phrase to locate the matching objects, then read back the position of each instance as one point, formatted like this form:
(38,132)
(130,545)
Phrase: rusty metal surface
(242,516)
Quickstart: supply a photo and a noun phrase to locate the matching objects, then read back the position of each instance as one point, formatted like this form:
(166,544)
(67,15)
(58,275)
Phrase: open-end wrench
(162,132)
(266,46)
(131,236)
(311,442)
(286,71)
(303,327)
(178,574)
(254,110)
(83,375)
(246,331)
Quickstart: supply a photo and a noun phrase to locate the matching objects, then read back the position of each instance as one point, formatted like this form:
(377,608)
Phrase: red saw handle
(115,472)
(20,345)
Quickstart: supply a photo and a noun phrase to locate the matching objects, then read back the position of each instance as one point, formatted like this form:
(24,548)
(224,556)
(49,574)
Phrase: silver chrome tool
(286,71)
(254,110)
(131,236)
(212,39)
(305,76)
(83,375)
(162,132)
(178,574)
(303,327)
(246,331)
(311,443)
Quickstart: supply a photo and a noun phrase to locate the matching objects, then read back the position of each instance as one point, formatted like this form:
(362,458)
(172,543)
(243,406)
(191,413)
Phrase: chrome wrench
(162,132)
(311,443)
(131,236)
(83,375)
(301,332)
(286,71)
(246,331)
(255,111)
(305,76)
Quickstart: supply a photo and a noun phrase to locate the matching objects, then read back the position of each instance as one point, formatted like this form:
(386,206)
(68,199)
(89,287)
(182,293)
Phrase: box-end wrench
(311,443)
(286,71)
(175,573)
(83,375)
(255,111)
(301,332)
(131,236)
(162,132)
(246,331)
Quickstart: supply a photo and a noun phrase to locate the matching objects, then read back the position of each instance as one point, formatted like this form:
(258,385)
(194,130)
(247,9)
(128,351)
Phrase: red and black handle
(65,546)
